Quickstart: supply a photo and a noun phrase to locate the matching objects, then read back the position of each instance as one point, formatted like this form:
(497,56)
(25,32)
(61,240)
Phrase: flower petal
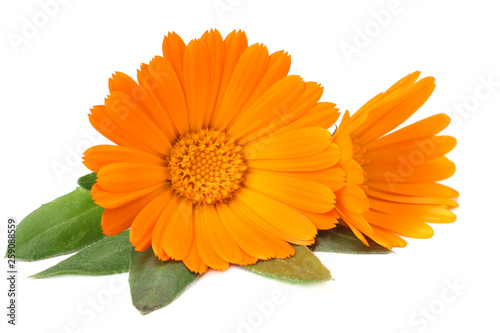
(222,242)
(108,199)
(215,46)
(178,237)
(129,177)
(197,82)
(300,193)
(99,156)
(135,121)
(291,144)
(116,220)
(246,76)
(248,239)
(323,160)
(202,239)
(141,231)
(280,216)
(173,51)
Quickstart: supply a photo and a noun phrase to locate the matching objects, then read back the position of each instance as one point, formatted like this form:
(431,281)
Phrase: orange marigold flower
(401,169)
(220,155)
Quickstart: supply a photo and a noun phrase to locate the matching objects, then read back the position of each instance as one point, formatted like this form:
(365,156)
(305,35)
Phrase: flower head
(219,155)
(401,169)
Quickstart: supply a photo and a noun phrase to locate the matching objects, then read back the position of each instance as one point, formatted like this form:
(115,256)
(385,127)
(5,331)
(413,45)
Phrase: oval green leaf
(65,225)
(154,283)
(88,181)
(303,267)
(110,255)
(342,240)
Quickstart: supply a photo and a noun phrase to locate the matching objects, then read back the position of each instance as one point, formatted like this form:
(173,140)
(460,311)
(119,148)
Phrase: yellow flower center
(206,166)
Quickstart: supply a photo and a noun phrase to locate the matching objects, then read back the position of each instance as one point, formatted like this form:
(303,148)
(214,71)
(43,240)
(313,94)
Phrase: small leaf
(303,267)
(65,225)
(341,240)
(110,255)
(88,181)
(154,283)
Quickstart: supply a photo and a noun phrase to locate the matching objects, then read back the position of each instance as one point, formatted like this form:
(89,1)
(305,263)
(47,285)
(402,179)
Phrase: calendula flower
(220,155)
(401,169)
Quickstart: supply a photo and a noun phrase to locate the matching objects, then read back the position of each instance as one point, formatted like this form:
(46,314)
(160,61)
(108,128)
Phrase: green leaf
(342,240)
(88,181)
(303,267)
(63,226)
(110,255)
(154,283)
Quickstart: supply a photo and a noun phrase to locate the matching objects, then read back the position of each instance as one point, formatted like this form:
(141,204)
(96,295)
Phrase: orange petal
(323,114)
(178,236)
(410,199)
(173,51)
(416,189)
(145,98)
(97,157)
(160,78)
(404,226)
(281,248)
(322,221)
(270,111)
(291,144)
(248,239)
(247,260)
(331,177)
(373,111)
(280,216)
(243,210)
(135,121)
(141,231)
(105,125)
(205,249)
(424,213)
(421,129)
(215,45)
(116,220)
(197,82)
(222,242)
(387,238)
(108,199)
(246,76)
(193,261)
(438,169)
(424,149)
(279,113)
(352,198)
(356,222)
(161,226)
(300,193)
(278,67)
(323,160)
(129,177)
(395,115)
(234,46)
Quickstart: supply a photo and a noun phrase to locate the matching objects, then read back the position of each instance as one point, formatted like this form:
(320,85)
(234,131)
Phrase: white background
(49,82)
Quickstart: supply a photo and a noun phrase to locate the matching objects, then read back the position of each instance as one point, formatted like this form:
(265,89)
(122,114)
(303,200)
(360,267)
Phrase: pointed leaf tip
(88,181)
(110,255)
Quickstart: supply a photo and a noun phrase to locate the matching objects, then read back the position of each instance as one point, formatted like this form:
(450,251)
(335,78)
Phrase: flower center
(206,166)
